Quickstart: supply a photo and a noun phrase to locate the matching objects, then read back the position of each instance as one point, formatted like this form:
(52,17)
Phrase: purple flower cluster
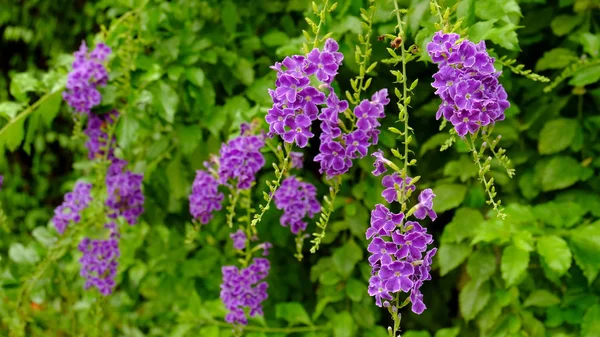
(400,261)
(244,288)
(99,261)
(125,197)
(297,199)
(239,239)
(88,73)
(70,210)
(240,160)
(297,104)
(97,131)
(205,197)
(467,83)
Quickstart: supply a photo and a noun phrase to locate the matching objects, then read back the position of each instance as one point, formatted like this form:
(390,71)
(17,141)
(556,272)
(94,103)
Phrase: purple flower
(379,163)
(97,131)
(425,205)
(412,244)
(239,239)
(333,159)
(381,251)
(276,117)
(240,160)
(309,99)
(205,197)
(467,83)
(244,289)
(416,298)
(383,222)
(125,197)
(390,193)
(357,142)
(297,199)
(378,290)
(87,74)
(333,108)
(396,276)
(70,210)
(299,130)
(297,159)
(265,246)
(324,64)
(1,181)
(99,263)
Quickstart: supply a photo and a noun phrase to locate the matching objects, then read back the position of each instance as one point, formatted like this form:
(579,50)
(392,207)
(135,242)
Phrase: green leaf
(448,332)
(23,255)
(292,312)
(590,43)
(555,252)
(585,245)
(43,236)
(126,132)
(531,325)
(10,109)
(585,76)
(355,289)
(557,135)
(473,298)
(561,172)
(481,266)
(556,58)
(505,37)
(21,84)
(541,298)
(451,255)
(244,72)
(514,264)
(344,325)
(563,24)
(559,214)
(464,225)
(13,136)
(196,76)
(229,16)
(168,99)
(448,196)
(346,258)
(480,30)
(590,327)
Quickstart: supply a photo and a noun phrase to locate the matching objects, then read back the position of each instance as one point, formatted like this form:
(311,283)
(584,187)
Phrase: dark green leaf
(448,197)
(585,244)
(346,258)
(590,327)
(481,266)
(196,76)
(464,225)
(563,24)
(344,325)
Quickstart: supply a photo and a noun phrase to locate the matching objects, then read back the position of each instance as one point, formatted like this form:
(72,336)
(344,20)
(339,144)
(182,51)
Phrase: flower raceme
(297,199)
(467,83)
(244,288)
(239,162)
(399,256)
(297,104)
(70,210)
(87,74)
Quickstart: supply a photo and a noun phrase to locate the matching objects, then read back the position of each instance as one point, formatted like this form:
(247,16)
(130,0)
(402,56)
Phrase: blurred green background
(197,69)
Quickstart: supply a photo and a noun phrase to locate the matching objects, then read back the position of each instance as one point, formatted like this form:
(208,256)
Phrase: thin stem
(321,20)
(438,10)
(27,111)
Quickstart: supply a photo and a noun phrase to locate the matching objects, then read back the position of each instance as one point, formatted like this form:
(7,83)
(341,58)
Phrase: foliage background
(200,68)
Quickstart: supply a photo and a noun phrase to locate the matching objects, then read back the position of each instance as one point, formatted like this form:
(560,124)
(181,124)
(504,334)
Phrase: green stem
(438,9)
(321,20)
(27,111)
(279,175)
